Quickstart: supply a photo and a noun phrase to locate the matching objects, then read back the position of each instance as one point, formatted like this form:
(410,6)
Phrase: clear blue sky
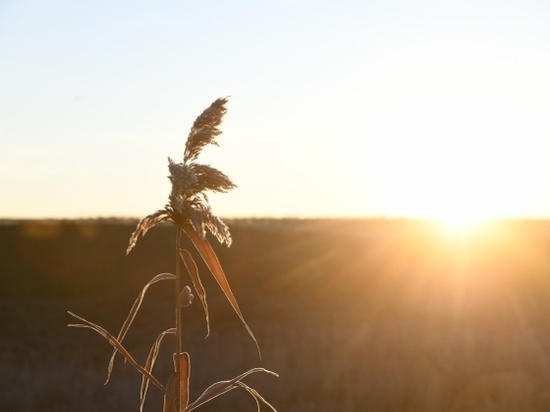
(348,108)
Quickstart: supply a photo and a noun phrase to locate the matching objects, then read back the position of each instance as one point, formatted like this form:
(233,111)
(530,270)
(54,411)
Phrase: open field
(373,315)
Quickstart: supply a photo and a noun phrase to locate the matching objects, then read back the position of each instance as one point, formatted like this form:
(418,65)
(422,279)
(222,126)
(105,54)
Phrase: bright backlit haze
(434,109)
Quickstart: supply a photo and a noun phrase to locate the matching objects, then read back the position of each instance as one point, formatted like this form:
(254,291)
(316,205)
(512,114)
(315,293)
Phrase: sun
(461,206)
(460,223)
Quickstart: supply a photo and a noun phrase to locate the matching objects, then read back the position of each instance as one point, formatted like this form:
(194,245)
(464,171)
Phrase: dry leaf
(118,347)
(132,315)
(219,388)
(193,271)
(209,256)
(149,364)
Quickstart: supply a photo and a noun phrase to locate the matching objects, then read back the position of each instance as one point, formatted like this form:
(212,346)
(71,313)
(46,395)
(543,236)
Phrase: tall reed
(189,211)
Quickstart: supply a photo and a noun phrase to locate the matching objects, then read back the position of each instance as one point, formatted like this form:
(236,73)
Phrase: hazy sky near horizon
(348,108)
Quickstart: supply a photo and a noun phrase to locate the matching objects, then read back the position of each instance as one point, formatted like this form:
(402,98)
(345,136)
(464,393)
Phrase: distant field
(355,315)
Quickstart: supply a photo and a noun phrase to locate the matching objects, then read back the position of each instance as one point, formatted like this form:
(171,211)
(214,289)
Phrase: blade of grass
(219,388)
(193,271)
(149,364)
(132,315)
(117,345)
(209,256)
(257,397)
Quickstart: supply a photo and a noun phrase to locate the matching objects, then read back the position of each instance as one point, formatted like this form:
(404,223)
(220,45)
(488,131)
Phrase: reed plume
(188,209)
(187,202)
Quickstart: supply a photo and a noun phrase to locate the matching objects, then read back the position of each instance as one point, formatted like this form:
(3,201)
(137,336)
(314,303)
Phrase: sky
(381,108)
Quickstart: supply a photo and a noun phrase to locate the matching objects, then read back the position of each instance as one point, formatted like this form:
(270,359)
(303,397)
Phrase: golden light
(459,224)
(459,158)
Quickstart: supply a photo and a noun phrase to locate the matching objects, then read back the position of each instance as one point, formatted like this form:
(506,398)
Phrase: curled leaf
(182,363)
(185,297)
(170,395)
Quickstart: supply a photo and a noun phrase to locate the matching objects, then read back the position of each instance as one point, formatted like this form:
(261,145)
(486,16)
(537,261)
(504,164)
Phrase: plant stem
(178,317)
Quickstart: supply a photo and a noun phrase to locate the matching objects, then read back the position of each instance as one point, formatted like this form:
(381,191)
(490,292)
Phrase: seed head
(187,202)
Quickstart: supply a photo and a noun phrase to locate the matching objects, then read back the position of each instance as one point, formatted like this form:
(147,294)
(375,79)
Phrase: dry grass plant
(188,210)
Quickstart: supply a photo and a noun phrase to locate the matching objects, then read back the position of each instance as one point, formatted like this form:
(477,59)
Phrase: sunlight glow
(459,158)
(461,225)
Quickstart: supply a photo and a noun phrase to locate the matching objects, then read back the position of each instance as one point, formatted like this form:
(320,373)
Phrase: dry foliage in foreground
(188,210)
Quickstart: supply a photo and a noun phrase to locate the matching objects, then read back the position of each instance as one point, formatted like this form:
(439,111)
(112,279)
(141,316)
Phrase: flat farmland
(354,315)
